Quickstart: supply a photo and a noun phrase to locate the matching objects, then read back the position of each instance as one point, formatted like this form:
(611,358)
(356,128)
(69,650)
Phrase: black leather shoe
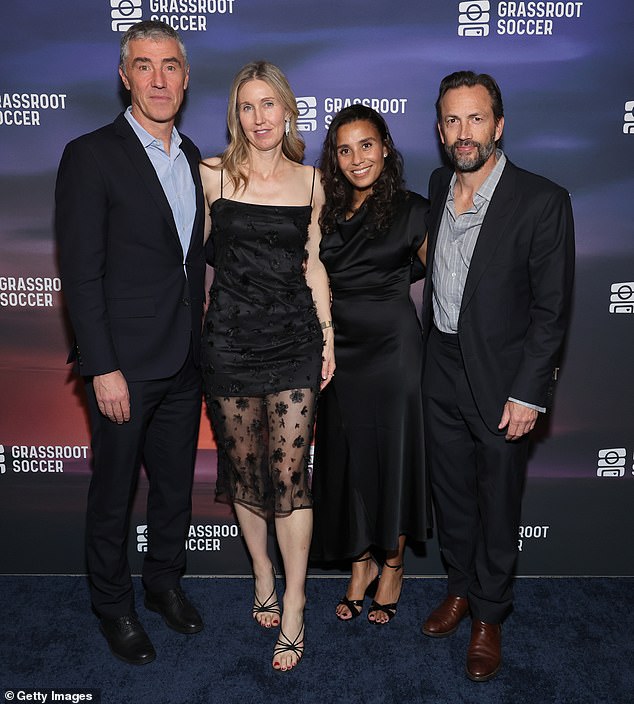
(127,639)
(176,609)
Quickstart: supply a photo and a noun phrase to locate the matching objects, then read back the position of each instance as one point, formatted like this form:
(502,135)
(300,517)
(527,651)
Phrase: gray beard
(468,165)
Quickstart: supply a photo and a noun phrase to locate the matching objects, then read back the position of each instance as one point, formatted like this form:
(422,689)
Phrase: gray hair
(149,29)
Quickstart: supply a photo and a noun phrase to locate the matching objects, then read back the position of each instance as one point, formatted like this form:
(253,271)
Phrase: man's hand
(517,419)
(113,398)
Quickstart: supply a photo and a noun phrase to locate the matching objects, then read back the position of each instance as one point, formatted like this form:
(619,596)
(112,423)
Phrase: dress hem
(226,498)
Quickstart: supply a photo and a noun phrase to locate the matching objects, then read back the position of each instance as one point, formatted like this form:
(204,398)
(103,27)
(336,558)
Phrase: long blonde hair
(235,157)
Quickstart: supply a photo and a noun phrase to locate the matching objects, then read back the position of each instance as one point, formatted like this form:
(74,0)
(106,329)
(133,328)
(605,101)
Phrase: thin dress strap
(312,189)
(222,171)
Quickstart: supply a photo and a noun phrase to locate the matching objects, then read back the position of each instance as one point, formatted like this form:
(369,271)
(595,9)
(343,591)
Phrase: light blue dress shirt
(175,175)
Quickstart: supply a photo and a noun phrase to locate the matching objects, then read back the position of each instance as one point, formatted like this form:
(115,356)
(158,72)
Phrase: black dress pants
(477,480)
(162,433)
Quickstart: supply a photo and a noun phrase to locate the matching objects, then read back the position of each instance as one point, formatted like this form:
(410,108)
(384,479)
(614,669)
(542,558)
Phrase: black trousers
(477,480)
(162,433)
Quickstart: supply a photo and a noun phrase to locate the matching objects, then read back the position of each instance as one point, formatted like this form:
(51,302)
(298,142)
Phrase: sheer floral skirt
(264,449)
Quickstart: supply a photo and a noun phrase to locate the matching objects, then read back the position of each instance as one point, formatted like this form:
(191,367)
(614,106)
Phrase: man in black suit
(495,307)
(129,221)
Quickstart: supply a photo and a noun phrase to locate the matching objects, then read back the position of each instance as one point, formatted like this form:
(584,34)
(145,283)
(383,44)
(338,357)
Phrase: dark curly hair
(387,189)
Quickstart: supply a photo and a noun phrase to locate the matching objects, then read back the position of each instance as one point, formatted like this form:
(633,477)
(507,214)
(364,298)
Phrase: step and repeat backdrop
(565,70)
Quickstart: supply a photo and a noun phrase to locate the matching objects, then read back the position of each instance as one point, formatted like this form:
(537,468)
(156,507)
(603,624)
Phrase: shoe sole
(443,634)
(185,631)
(128,661)
(483,678)
(147,661)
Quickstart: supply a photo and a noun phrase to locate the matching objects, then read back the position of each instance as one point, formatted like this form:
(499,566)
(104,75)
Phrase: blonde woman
(268,337)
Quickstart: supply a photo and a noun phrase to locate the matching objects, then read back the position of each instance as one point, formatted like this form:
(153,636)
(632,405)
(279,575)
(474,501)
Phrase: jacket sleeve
(81,225)
(550,271)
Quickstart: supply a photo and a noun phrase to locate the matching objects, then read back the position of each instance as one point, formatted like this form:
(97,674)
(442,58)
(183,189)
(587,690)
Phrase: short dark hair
(469,79)
(149,29)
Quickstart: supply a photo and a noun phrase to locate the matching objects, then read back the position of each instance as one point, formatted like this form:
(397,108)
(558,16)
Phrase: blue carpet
(570,641)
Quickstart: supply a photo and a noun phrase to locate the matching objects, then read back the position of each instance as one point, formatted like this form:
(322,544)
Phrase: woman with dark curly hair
(369,475)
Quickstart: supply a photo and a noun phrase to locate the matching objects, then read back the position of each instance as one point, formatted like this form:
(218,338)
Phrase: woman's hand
(328,358)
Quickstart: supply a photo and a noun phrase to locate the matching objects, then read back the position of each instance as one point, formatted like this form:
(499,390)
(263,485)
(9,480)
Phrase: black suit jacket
(130,303)
(517,294)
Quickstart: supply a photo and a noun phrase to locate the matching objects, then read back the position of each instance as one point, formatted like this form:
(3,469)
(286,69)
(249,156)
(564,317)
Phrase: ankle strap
(364,559)
(393,567)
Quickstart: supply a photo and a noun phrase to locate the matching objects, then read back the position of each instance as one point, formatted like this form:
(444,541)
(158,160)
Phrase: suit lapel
(193,161)
(496,221)
(142,164)
(437,208)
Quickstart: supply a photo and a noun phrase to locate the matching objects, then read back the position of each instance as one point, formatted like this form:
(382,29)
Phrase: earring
(287,127)
(385,155)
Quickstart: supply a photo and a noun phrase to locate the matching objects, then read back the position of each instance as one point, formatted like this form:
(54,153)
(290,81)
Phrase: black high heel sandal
(355,606)
(285,645)
(269,606)
(388,609)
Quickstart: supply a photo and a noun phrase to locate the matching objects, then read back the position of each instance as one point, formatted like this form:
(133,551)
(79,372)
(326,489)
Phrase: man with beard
(495,307)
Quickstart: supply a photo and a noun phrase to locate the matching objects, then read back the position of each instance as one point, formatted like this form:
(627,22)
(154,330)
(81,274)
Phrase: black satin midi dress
(369,482)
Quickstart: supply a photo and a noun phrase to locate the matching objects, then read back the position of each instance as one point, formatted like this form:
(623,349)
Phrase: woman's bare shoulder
(211,175)
(211,162)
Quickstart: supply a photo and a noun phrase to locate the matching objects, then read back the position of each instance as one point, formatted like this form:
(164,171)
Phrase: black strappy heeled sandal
(355,606)
(388,609)
(284,645)
(269,606)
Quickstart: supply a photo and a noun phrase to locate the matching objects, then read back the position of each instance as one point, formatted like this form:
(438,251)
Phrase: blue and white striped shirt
(457,238)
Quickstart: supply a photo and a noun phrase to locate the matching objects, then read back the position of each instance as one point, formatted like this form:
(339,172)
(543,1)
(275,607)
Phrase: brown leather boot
(484,655)
(444,620)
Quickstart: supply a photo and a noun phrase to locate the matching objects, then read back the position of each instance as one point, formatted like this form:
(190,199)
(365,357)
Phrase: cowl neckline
(355,225)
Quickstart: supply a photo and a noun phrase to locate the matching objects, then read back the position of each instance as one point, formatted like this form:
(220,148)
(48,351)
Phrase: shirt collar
(147,140)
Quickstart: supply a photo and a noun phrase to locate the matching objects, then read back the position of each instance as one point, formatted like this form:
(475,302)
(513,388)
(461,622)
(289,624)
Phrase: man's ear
(499,128)
(124,79)
(442,139)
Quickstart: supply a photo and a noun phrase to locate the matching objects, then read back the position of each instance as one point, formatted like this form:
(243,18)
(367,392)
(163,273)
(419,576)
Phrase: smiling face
(261,114)
(468,129)
(361,156)
(156,76)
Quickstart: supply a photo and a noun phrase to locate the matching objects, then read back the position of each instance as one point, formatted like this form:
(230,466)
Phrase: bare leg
(290,426)
(390,583)
(293,535)
(240,425)
(254,529)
